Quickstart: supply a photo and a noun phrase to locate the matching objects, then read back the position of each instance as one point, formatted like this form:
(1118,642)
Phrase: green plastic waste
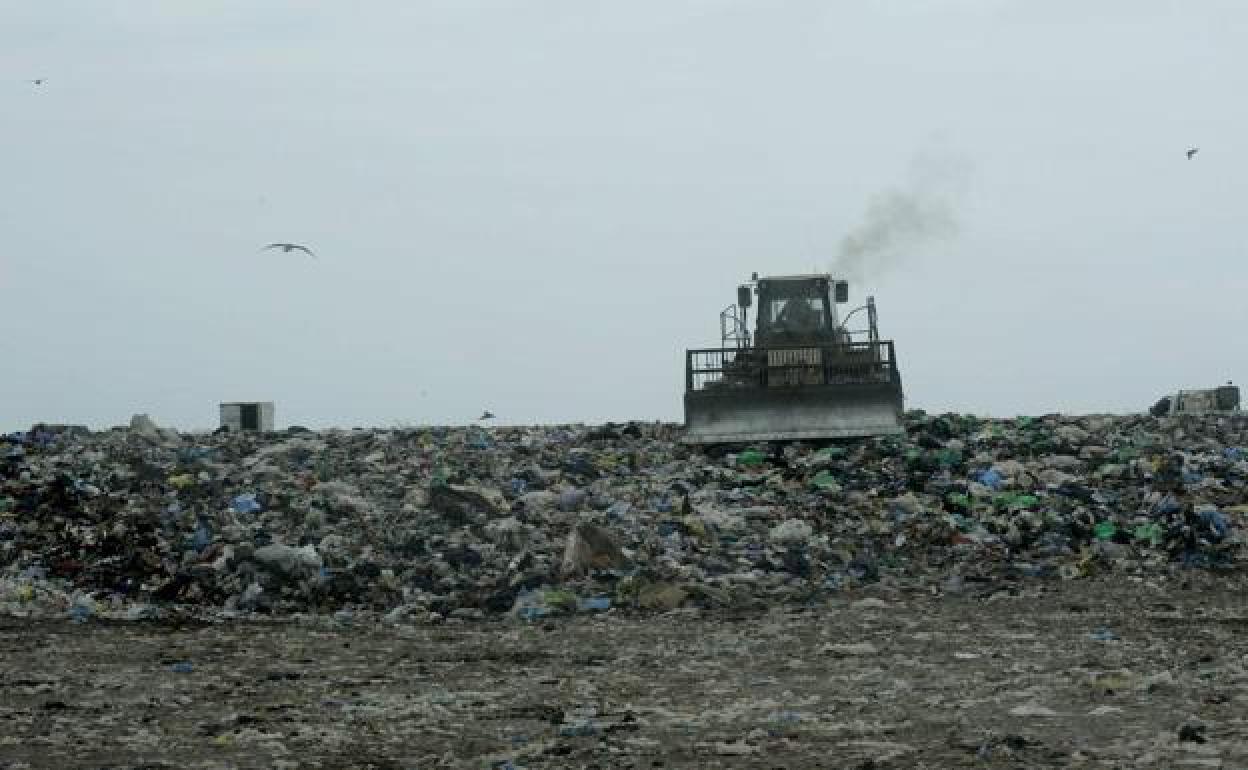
(1125,455)
(959,499)
(751,458)
(1150,532)
(559,599)
(1105,530)
(1015,501)
(825,480)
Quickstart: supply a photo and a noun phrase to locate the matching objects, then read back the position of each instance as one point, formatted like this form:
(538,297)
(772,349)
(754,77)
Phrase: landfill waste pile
(440,524)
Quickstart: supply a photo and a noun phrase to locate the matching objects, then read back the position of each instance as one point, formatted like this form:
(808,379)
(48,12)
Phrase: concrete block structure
(247,415)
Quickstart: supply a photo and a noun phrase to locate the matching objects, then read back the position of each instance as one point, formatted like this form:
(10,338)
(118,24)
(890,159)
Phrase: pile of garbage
(472,522)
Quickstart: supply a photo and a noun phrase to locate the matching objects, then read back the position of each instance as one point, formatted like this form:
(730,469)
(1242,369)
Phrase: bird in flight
(39,81)
(289,247)
(486,415)
(1192,152)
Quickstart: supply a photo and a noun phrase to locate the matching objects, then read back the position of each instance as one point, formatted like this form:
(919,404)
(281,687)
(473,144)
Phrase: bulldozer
(802,374)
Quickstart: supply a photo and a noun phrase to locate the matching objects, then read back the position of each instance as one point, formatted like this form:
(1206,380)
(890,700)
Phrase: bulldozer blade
(737,415)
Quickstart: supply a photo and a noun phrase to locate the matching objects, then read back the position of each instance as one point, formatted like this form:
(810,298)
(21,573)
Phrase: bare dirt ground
(1115,672)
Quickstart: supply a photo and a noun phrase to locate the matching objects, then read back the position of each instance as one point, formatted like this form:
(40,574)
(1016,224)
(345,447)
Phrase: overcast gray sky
(534,207)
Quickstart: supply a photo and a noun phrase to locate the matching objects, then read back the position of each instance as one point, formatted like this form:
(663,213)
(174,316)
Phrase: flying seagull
(486,415)
(289,247)
(1192,151)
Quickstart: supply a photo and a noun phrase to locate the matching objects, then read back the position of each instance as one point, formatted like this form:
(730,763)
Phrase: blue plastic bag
(1216,522)
(246,503)
(991,478)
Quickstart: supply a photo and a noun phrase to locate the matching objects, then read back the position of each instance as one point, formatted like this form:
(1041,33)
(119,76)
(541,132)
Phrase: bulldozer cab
(795,311)
(803,374)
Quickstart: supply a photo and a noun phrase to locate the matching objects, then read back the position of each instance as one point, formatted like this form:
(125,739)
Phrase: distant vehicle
(802,374)
(1221,400)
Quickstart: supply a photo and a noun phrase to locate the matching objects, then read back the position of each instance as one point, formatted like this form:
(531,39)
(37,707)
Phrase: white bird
(1192,151)
(289,247)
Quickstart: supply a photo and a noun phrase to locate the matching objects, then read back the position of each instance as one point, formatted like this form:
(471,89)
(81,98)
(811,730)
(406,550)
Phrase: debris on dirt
(1033,592)
(1190,733)
(721,688)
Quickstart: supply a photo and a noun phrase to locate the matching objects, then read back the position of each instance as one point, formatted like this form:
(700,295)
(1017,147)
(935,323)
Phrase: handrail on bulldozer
(833,364)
